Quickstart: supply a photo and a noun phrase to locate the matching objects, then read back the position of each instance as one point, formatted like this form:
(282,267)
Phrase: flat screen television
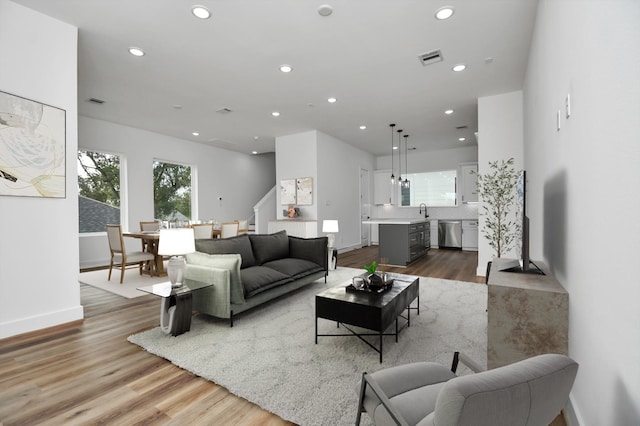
(524,263)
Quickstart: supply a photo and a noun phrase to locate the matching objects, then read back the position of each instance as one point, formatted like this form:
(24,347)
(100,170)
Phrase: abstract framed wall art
(32,148)
(304,191)
(288,191)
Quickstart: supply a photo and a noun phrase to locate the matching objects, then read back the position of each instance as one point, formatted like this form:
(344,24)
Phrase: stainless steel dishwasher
(450,234)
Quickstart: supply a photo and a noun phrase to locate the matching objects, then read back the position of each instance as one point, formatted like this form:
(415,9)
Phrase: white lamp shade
(329,226)
(176,242)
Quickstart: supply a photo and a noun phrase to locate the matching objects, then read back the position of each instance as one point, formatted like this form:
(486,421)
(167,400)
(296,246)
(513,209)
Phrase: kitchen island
(401,241)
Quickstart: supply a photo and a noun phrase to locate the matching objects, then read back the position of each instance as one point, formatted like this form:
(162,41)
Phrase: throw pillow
(268,247)
(240,245)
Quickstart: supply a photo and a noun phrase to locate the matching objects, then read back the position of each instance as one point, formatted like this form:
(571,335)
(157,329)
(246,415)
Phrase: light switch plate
(568,105)
(559,118)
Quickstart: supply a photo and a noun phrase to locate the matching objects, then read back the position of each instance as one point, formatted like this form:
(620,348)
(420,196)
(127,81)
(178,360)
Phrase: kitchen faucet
(425,210)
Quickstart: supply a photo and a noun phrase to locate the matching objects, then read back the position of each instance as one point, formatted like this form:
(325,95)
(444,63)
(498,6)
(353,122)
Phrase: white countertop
(394,221)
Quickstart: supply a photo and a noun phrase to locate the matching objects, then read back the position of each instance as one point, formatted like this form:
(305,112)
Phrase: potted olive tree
(497,191)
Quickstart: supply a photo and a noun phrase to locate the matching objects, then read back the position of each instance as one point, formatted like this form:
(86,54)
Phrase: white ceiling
(365,54)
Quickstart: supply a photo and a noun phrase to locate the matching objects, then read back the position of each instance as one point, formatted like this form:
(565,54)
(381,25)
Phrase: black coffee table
(376,312)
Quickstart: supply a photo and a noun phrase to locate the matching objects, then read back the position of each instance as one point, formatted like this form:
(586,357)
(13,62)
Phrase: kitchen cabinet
(401,244)
(470,235)
(374,238)
(383,191)
(469,181)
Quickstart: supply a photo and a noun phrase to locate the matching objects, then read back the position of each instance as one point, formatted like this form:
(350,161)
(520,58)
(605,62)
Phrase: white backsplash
(465,211)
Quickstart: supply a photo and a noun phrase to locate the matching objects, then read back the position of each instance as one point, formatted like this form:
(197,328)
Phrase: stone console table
(527,315)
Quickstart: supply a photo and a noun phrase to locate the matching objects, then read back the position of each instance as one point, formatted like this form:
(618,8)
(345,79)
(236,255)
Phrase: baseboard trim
(37,322)
(571,415)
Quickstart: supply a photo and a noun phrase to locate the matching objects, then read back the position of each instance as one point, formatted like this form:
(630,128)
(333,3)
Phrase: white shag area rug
(269,356)
(132,280)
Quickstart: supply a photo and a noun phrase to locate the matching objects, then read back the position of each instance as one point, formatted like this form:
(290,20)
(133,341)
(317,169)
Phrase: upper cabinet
(469,180)
(384,192)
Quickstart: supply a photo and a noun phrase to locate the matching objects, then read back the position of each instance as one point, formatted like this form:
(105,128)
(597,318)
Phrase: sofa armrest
(311,249)
(214,300)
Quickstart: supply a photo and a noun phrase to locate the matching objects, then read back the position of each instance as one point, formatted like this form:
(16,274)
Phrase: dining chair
(120,258)
(202,230)
(148,226)
(229,229)
(243,226)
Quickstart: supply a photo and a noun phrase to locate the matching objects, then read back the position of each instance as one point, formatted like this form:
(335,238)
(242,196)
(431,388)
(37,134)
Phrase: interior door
(365,207)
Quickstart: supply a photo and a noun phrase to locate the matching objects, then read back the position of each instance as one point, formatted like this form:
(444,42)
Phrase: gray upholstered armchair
(529,392)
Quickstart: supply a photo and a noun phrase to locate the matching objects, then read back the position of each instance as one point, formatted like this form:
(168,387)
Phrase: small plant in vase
(374,280)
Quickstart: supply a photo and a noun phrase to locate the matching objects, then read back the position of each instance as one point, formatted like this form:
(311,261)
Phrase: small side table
(176,305)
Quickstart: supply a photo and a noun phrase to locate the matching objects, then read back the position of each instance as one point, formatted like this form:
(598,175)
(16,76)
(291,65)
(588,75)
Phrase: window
(171,191)
(435,189)
(99,190)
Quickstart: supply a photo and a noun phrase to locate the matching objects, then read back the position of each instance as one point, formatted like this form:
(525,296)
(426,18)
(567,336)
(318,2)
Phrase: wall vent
(95,101)
(430,57)
(224,110)
(462,127)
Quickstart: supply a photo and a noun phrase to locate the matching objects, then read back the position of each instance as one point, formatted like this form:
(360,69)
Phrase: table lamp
(330,226)
(176,243)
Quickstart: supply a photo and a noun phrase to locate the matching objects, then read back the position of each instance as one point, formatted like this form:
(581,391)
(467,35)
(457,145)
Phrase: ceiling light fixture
(286,68)
(332,100)
(400,158)
(462,139)
(136,51)
(195,134)
(363,127)
(459,67)
(393,178)
(325,10)
(445,12)
(200,12)
(449,112)
(275,114)
(406,184)
(254,152)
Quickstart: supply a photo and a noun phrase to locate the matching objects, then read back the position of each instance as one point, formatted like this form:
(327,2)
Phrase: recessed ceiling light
(254,152)
(444,12)
(332,100)
(363,127)
(395,147)
(449,112)
(136,51)
(275,113)
(325,10)
(195,134)
(286,68)
(459,67)
(201,12)
(462,139)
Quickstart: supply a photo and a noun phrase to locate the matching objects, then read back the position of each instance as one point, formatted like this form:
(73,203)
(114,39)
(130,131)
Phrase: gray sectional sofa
(249,270)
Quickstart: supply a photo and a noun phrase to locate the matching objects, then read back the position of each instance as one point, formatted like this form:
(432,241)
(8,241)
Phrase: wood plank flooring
(86,372)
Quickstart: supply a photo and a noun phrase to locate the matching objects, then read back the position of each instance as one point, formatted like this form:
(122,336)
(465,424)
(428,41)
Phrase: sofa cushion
(240,245)
(313,249)
(295,268)
(268,247)
(258,279)
(231,262)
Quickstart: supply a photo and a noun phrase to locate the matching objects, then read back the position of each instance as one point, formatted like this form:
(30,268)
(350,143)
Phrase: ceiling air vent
(95,101)
(224,110)
(430,57)
(462,127)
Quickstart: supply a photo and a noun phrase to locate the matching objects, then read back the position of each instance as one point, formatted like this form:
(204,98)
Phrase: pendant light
(406,167)
(400,157)
(393,178)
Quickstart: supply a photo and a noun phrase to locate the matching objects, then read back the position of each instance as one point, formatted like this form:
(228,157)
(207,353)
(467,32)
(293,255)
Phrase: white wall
(335,168)
(39,249)
(240,180)
(500,137)
(339,167)
(583,191)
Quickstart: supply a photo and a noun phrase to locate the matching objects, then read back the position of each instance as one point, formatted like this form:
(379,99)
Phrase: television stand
(527,315)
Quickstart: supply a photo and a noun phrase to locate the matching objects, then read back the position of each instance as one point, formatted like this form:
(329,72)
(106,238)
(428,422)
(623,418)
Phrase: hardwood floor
(86,372)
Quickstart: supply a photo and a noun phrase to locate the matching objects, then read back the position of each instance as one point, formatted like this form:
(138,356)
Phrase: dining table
(151,240)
